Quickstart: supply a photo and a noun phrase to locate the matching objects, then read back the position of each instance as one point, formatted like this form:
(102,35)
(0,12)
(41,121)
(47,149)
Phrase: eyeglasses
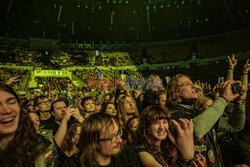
(43,102)
(113,138)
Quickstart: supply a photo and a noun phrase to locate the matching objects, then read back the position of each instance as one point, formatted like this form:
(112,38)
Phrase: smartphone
(236,89)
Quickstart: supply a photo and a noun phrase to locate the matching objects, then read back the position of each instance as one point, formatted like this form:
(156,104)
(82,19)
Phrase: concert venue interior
(51,47)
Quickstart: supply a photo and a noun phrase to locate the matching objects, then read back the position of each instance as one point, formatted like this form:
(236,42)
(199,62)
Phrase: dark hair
(56,101)
(159,93)
(105,106)
(40,97)
(85,99)
(8,89)
(149,115)
(23,148)
(128,134)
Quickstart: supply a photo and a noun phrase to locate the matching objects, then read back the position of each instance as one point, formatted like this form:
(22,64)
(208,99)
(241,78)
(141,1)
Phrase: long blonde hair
(121,113)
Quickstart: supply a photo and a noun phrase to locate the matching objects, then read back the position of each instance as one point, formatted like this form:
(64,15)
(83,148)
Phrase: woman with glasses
(158,147)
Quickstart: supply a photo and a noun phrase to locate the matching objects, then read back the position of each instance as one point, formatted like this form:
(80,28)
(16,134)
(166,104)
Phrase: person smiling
(156,144)
(20,145)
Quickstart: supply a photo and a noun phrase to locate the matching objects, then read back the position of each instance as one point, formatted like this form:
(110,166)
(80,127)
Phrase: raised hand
(12,80)
(76,114)
(246,67)
(184,140)
(243,94)
(68,113)
(226,91)
(232,62)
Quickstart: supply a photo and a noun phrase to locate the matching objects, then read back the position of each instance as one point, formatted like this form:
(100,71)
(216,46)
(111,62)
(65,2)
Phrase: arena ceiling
(121,21)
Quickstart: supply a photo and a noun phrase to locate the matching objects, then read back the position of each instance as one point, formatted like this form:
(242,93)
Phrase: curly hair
(26,145)
(121,113)
(67,144)
(172,89)
(146,119)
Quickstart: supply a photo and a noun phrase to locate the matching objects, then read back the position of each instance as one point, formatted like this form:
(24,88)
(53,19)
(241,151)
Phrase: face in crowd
(100,137)
(9,111)
(186,90)
(35,119)
(44,104)
(89,106)
(107,98)
(129,105)
(158,129)
(162,100)
(133,124)
(30,106)
(110,140)
(141,97)
(59,109)
(153,125)
(111,109)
